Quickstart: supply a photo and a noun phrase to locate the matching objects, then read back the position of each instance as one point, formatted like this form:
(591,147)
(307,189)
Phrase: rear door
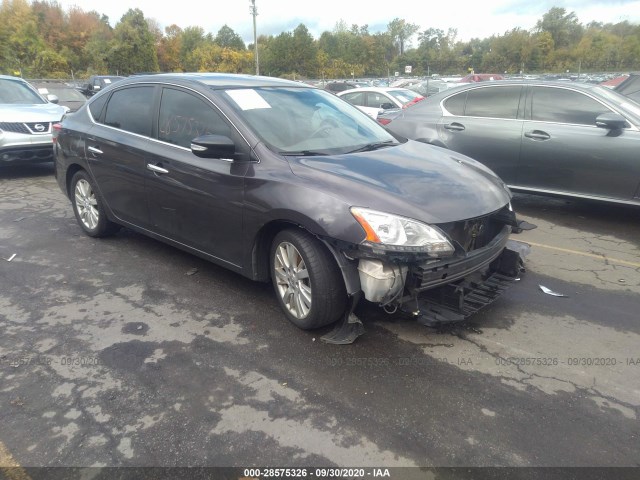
(564,151)
(485,124)
(116,150)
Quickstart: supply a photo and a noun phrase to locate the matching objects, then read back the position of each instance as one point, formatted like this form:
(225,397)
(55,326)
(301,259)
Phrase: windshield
(306,120)
(18,92)
(627,105)
(64,94)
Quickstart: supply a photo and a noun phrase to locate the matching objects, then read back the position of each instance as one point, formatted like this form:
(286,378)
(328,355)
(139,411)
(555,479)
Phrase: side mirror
(213,146)
(387,106)
(611,121)
(52,98)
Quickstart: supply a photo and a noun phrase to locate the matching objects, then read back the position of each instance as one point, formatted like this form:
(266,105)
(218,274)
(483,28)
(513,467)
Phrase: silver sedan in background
(566,139)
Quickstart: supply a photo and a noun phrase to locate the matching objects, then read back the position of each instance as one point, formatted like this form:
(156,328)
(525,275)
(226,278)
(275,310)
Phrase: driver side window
(184,116)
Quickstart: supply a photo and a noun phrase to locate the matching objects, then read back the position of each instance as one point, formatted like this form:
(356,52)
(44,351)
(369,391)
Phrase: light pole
(254,12)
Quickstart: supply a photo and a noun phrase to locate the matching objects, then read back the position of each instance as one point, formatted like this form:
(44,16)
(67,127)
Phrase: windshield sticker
(107,80)
(248,99)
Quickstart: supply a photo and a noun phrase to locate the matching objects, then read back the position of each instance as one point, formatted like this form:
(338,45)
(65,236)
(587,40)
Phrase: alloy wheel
(86,204)
(292,280)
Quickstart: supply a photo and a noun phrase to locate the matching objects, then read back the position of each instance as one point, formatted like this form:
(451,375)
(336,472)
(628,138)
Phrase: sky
(471,18)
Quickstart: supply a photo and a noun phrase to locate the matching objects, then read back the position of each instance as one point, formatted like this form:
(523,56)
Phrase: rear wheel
(307,280)
(88,207)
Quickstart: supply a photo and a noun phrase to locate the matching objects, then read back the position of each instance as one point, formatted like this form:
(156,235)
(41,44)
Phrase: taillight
(55,130)
(413,102)
(384,121)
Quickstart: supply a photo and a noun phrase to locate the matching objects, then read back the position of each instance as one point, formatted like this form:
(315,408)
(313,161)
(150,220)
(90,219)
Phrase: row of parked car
(283,182)
(28,111)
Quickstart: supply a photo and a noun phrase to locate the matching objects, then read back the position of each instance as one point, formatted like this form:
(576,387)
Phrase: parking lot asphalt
(127,352)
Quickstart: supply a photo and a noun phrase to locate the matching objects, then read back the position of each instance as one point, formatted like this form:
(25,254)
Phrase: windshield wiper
(374,146)
(303,153)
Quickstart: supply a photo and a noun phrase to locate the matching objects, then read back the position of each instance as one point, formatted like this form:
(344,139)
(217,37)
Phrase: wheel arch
(260,250)
(71,171)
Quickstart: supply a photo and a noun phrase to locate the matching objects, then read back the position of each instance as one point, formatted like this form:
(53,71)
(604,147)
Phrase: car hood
(45,112)
(413,179)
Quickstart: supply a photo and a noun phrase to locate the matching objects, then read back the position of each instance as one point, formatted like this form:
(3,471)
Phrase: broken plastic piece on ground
(10,258)
(522,248)
(349,328)
(524,225)
(345,332)
(548,291)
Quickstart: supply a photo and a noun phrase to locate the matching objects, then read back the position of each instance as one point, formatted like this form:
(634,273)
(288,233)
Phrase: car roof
(375,89)
(9,77)
(216,80)
(501,83)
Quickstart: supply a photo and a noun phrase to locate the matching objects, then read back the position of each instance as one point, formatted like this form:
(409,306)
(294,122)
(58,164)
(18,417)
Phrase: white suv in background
(26,120)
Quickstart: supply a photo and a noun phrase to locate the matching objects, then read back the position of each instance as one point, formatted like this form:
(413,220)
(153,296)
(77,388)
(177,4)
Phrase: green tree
(132,48)
(401,32)
(169,49)
(227,38)
(565,29)
(192,38)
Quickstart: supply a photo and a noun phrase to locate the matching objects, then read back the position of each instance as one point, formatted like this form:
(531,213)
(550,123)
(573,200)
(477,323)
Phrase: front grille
(473,233)
(31,128)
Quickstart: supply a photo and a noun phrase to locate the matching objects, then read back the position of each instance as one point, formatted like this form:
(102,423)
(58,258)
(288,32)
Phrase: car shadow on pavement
(26,170)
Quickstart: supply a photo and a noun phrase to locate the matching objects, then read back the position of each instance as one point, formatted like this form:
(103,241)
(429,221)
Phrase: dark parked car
(97,83)
(568,139)
(26,119)
(68,96)
(335,87)
(284,182)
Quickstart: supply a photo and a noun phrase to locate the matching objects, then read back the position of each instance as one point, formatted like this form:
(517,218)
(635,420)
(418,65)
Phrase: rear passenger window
(493,102)
(565,106)
(357,98)
(184,117)
(130,109)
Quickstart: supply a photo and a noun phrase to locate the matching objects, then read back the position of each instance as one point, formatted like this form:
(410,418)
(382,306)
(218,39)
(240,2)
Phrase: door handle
(156,168)
(537,135)
(456,127)
(95,150)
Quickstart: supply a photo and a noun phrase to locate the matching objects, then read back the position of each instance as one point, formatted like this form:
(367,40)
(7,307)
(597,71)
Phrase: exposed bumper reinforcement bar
(456,302)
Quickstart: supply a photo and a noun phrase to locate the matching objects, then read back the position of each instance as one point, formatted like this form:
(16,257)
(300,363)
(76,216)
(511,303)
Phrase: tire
(319,297)
(88,207)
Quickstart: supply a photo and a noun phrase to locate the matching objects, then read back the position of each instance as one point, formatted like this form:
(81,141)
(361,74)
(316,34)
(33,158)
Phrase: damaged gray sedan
(286,183)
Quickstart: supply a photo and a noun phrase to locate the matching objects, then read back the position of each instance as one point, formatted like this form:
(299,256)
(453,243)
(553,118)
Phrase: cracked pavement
(116,352)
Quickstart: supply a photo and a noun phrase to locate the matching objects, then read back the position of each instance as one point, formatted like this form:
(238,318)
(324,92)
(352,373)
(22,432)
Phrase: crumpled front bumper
(446,292)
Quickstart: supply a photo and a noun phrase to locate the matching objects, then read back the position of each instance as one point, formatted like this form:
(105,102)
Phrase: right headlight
(396,233)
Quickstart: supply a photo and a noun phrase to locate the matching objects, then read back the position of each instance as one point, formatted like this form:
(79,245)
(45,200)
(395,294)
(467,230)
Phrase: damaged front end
(445,274)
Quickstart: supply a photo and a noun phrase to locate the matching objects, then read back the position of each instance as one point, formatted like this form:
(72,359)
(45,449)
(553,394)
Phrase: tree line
(39,39)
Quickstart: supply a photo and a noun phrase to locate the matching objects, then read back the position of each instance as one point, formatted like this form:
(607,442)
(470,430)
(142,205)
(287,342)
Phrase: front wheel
(88,207)
(307,280)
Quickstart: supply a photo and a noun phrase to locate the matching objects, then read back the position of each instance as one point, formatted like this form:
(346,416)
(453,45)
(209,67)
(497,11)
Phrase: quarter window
(455,104)
(565,106)
(184,117)
(130,109)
